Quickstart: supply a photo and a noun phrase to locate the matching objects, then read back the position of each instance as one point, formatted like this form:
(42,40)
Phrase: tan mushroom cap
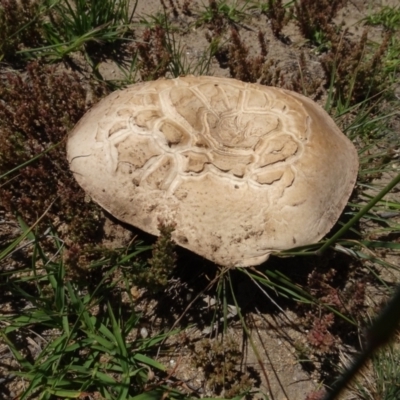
(241,169)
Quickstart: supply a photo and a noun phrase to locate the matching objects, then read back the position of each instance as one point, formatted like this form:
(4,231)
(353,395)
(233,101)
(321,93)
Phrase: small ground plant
(84,344)
(20,27)
(36,113)
(315,18)
(220,360)
(71,307)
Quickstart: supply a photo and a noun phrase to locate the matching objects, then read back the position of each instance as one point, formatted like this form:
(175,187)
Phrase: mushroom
(242,170)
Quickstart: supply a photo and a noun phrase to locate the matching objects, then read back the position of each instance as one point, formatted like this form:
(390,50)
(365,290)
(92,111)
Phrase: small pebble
(144,333)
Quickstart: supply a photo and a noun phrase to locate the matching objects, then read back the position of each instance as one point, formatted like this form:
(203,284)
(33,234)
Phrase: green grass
(230,12)
(88,349)
(72,297)
(74,26)
(388,17)
(384,381)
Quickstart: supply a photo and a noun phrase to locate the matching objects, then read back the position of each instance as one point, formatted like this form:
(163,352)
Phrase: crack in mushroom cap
(241,169)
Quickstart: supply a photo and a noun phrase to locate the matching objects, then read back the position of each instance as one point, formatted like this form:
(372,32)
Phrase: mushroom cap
(241,169)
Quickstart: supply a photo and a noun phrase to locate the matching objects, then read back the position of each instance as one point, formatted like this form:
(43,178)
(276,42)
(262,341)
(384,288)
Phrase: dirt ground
(275,332)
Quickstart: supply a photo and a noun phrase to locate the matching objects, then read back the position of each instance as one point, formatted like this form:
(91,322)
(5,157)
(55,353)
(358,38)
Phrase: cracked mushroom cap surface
(241,169)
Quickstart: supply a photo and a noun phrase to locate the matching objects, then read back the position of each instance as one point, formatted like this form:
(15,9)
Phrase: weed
(173,7)
(388,17)
(380,333)
(181,65)
(384,382)
(391,64)
(186,8)
(316,395)
(356,75)
(80,25)
(241,66)
(162,263)
(266,71)
(35,115)
(96,353)
(314,18)
(278,16)
(153,57)
(319,337)
(325,287)
(304,80)
(159,54)
(219,13)
(213,18)
(20,27)
(219,359)
(84,345)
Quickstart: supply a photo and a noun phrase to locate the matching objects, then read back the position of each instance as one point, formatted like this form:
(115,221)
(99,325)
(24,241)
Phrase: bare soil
(276,334)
